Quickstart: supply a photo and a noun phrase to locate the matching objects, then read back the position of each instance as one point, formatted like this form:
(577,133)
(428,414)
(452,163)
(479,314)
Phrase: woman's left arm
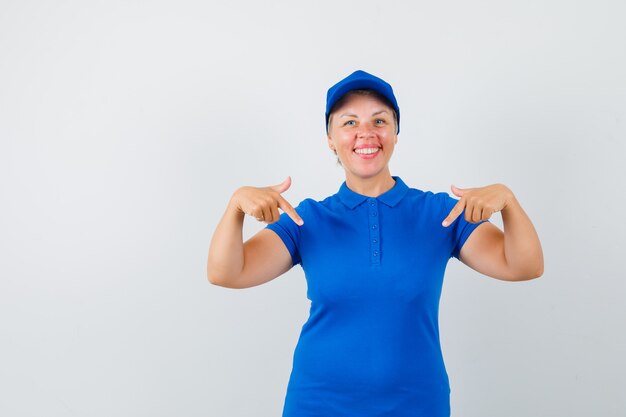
(514,255)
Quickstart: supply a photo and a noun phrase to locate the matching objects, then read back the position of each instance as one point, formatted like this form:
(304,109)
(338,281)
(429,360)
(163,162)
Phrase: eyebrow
(354,115)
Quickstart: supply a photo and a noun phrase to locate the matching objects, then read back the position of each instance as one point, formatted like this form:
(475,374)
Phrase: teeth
(366,151)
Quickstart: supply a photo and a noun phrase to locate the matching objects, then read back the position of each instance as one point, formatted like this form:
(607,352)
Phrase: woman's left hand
(479,203)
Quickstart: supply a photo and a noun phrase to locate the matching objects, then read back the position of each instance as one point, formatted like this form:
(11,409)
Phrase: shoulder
(318,212)
(311,209)
(428,198)
(428,205)
(307,204)
(327,203)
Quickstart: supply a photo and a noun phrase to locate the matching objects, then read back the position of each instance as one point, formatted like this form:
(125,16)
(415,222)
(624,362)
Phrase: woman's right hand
(262,203)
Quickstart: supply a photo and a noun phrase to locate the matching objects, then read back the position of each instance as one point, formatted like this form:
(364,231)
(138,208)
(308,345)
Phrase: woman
(374,256)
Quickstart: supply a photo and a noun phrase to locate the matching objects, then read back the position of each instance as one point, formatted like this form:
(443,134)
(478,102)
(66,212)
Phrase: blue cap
(360,80)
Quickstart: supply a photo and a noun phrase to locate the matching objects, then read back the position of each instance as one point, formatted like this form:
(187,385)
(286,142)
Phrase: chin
(367,173)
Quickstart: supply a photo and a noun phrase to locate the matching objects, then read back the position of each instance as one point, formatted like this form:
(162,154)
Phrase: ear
(331,145)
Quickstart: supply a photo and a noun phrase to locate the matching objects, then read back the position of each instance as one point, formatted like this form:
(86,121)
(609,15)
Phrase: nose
(365,130)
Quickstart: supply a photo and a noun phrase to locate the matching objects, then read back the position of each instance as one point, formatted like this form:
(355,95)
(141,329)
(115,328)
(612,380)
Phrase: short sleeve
(289,232)
(460,229)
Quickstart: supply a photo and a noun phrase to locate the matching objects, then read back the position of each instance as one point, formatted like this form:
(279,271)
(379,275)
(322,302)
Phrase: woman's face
(367,124)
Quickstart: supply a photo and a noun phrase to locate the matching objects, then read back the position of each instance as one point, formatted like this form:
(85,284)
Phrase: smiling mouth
(366,151)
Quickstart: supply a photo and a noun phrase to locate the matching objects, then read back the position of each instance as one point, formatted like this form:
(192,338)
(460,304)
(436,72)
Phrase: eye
(349,123)
(380,121)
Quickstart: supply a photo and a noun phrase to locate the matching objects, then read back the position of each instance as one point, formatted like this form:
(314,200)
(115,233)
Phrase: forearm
(522,247)
(226,255)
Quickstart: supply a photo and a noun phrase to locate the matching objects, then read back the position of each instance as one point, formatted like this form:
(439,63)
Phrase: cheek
(388,138)
(344,141)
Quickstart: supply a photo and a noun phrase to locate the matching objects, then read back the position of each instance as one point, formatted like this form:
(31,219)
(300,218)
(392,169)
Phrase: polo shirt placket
(374,229)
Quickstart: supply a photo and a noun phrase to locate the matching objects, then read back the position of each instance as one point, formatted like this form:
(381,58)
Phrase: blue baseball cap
(360,80)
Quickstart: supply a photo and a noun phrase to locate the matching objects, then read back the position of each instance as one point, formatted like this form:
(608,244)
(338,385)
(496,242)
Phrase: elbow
(538,271)
(528,274)
(216,281)
(214,274)
(212,278)
(220,281)
(529,270)
(532,276)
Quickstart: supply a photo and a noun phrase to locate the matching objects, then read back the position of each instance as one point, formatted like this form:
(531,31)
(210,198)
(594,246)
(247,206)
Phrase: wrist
(510,200)
(233,206)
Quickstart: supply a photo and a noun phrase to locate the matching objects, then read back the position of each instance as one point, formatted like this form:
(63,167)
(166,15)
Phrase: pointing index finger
(291,212)
(454,213)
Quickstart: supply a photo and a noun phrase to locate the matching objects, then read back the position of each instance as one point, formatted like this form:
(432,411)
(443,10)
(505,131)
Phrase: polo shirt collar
(391,197)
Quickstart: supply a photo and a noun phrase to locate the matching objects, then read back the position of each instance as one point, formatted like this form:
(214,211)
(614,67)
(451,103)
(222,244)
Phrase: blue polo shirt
(374,268)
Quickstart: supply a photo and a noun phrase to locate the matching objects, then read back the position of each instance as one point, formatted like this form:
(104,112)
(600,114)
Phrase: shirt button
(374,226)
(374,213)
(375,253)
(374,241)
(371,203)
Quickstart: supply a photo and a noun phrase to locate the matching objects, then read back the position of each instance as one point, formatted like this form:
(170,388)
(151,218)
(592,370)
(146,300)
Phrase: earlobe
(330,141)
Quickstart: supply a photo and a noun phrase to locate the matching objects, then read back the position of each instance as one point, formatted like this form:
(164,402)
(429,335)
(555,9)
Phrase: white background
(126,126)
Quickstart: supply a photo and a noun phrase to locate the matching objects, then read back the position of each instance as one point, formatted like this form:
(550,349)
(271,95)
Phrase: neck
(371,186)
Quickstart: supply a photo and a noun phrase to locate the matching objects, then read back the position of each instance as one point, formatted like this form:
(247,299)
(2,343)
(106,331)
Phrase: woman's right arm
(235,264)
